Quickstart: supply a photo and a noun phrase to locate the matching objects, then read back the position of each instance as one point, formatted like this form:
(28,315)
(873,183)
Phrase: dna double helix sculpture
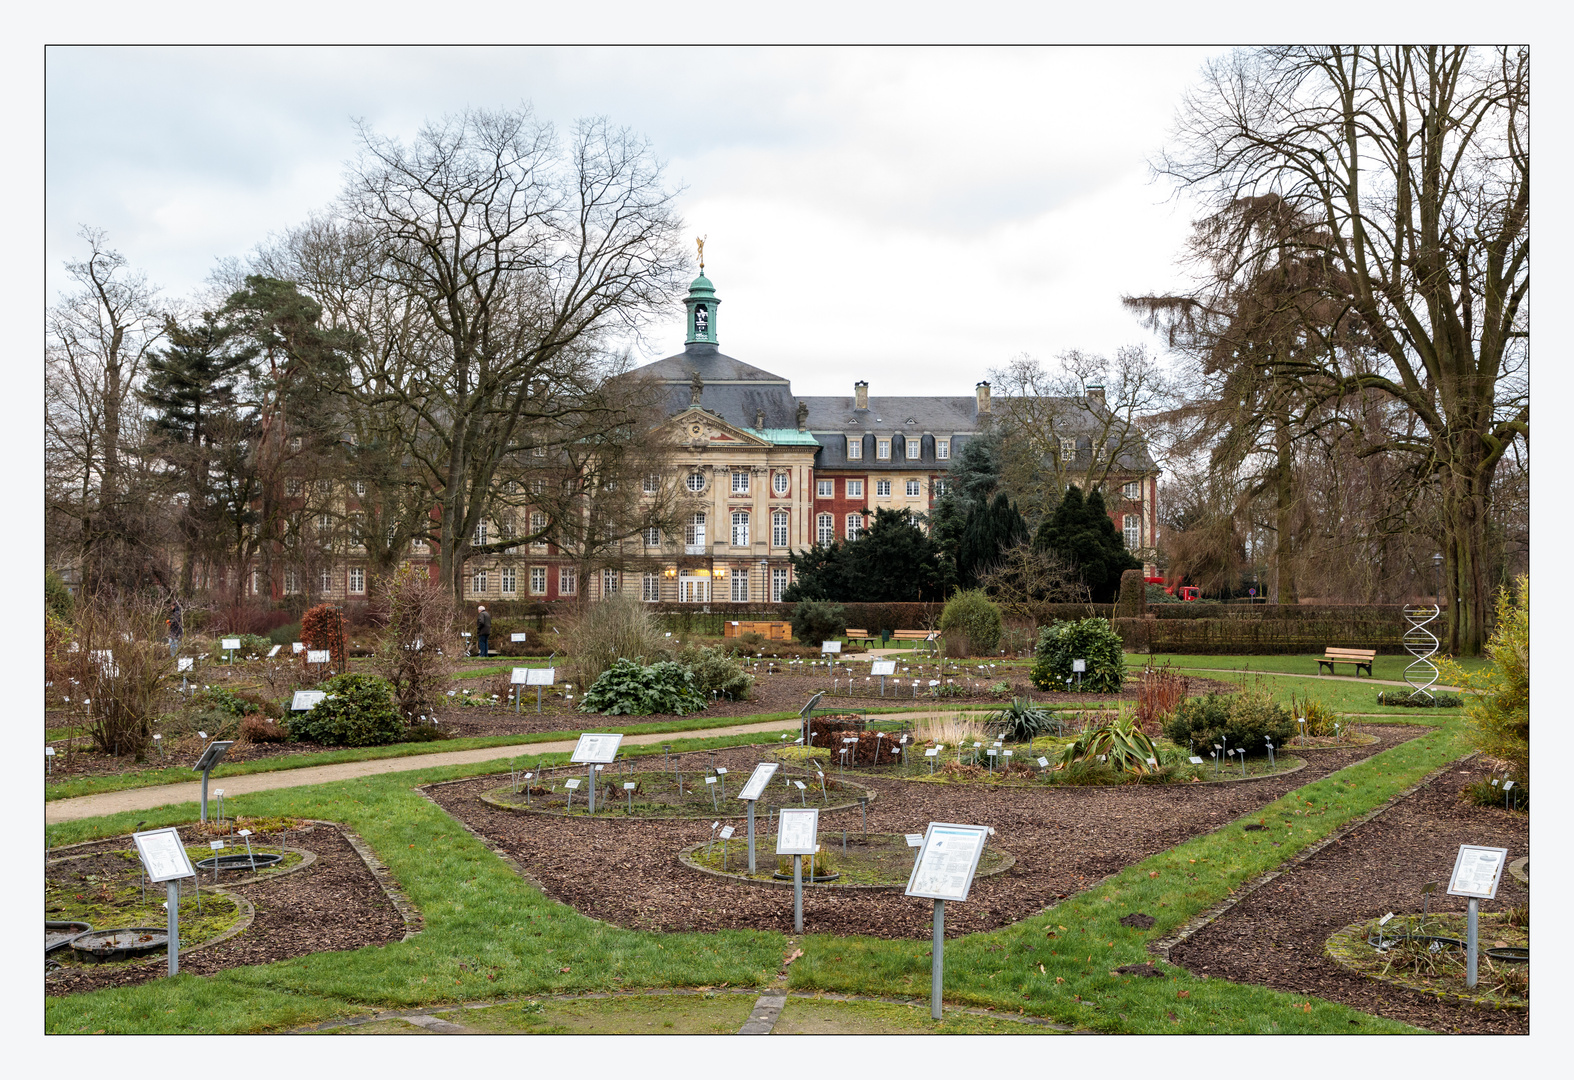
(1422,644)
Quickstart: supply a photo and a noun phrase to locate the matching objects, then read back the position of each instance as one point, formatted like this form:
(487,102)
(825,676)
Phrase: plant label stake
(710,783)
(49,758)
(1426,898)
(1302,721)
(992,753)
(824,798)
(629,788)
(528,777)
(944,869)
(804,799)
(570,785)
(247,834)
(217,846)
(1477,871)
(863,809)
(1272,764)
(721,777)
(932,753)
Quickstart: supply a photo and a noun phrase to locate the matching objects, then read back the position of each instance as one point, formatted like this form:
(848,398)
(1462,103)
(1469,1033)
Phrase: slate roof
(733,390)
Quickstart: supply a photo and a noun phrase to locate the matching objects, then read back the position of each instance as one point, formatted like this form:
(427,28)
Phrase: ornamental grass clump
(616,628)
(628,688)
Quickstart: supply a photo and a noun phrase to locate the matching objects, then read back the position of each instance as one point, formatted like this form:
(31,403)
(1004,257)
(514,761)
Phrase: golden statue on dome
(700,242)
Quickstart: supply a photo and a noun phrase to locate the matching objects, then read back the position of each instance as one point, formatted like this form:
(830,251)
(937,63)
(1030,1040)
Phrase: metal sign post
(516,680)
(212,754)
(540,677)
(753,788)
(165,860)
(1477,871)
(797,832)
(944,871)
(593,749)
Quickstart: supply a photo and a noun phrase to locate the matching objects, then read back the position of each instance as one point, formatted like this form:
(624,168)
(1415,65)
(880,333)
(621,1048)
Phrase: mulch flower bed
(1275,936)
(1063,838)
(333,904)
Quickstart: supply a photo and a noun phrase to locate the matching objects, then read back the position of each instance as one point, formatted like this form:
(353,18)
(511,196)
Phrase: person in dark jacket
(174,624)
(483,627)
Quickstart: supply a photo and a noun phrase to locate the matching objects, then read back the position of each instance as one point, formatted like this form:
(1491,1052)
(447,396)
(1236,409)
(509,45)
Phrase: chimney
(860,395)
(982,390)
(1096,393)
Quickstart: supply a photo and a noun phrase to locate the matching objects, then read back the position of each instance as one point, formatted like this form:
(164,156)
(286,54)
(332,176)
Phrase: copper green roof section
(702,304)
(785,436)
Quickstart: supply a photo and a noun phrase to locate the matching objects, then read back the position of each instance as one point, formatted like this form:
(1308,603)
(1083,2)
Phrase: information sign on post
(516,638)
(830,647)
(594,749)
(212,754)
(944,871)
(230,643)
(753,788)
(796,835)
(165,860)
(185,663)
(1477,871)
(319,656)
(540,677)
(882,668)
(305,699)
(297,647)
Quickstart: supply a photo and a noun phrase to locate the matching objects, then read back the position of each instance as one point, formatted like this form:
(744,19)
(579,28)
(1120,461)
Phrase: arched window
(694,531)
(855,524)
(1133,531)
(779,536)
(825,528)
(740,528)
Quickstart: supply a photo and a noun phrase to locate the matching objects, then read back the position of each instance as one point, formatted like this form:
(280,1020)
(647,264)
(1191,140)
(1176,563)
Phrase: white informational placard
(572,785)
(933,751)
(305,699)
(915,839)
(1195,760)
(185,663)
(882,667)
(1079,667)
(830,646)
(163,855)
(520,676)
(947,861)
(726,832)
(1477,871)
(755,787)
(297,647)
(541,676)
(594,748)
(796,831)
(516,637)
(274,651)
(229,643)
(319,656)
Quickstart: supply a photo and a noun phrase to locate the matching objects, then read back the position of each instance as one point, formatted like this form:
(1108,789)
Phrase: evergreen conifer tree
(1081,532)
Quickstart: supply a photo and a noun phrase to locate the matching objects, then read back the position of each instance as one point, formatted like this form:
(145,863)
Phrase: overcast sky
(911,217)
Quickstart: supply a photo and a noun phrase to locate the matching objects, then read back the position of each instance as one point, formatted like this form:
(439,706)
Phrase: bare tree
(1411,167)
(1028,582)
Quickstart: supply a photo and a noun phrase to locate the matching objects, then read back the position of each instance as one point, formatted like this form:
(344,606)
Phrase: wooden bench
(859,635)
(1361,658)
(914,635)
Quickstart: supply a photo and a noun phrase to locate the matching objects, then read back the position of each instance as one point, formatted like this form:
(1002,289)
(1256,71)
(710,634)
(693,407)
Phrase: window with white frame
(567,581)
(1068,447)
(324,522)
(882,489)
(855,489)
(254,583)
(610,580)
(740,586)
(779,537)
(778,584)
(292,486)
(780,482)
(538,581)
(510,580)
(1133,531)
(652,537)
(1132,490)
(324,581)
(538,451)
(358,527)
(941,487)
(325,487)
(295,442)
(740,528)
(478,583)
(480,533)
(882,449)
(417,543)
(360,487)
(913,488)
(855,447)
(696,481)
(652,483)
(538,486)
(740,482)
(694,529)
(943,449)
(824,529)
(650,587)
(914,446)
(855,525)
(824,489)
(357,580)
(291,585)
(538,522)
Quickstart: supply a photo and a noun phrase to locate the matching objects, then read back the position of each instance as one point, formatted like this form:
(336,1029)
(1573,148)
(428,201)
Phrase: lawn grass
(1383,667)
(1341,697)
(489,935)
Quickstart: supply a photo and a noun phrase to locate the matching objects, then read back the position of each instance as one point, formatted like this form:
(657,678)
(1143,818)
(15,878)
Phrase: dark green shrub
(971,623)
(814,621)
(631,689)
(58,600)
(1093,640)
(1241,720)
(1131,601)
(285,635)
(219,700)
(1489,792)
(1403,699)
(1155,594)
(1023,721)
(358,711)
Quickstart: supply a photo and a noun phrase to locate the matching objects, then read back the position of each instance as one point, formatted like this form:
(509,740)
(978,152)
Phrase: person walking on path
(174,624)
(483,627)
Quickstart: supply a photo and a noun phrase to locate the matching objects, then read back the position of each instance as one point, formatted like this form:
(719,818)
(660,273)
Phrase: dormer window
(855,448)
(1068,447)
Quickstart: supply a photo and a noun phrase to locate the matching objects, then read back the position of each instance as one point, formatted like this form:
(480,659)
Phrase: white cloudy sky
(907,216)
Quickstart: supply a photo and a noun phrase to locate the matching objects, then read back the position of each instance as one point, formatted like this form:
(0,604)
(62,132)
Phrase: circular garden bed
(847,860)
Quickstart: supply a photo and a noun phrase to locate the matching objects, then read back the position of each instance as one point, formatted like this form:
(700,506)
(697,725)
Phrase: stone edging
(487,798)
(1342,941)
(1297,767)
(1007,865)
(1163,946)
(1294,748)
(413,922)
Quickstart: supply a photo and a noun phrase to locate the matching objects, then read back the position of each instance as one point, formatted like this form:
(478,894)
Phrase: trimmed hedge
(1167,629)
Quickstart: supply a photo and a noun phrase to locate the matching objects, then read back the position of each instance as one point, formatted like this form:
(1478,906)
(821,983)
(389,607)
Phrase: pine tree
(992,528)
(1081,532)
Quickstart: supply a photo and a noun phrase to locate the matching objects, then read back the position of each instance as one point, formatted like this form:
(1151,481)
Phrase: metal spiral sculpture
(1421,644)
